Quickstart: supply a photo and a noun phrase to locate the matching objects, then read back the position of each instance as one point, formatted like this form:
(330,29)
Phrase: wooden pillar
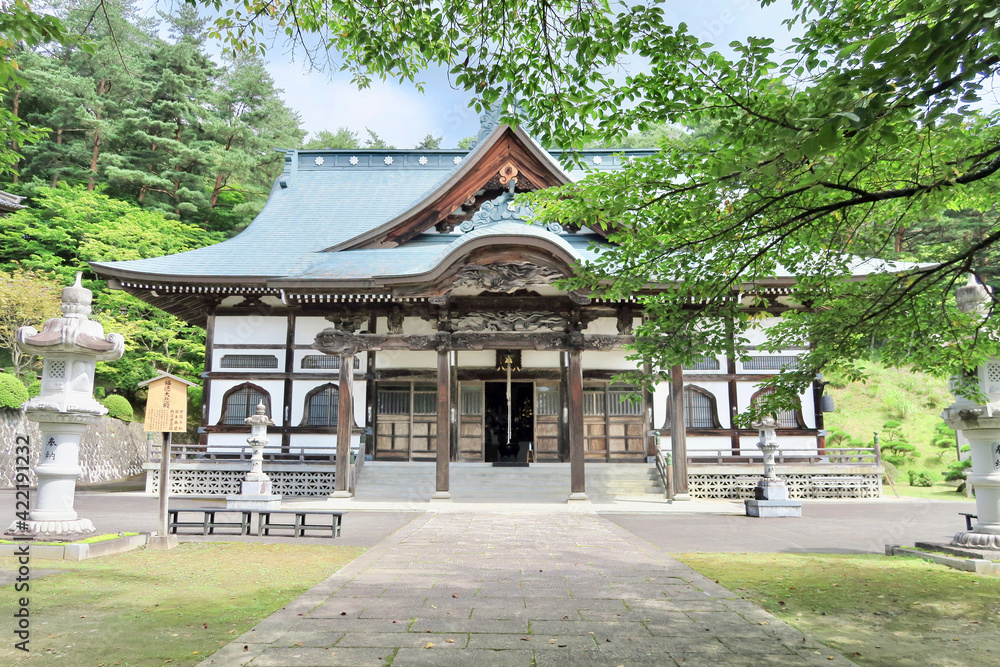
(678,433)
(443,425)
(576,454)
(345,422)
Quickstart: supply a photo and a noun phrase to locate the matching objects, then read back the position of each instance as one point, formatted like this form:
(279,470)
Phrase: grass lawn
(157,607)
(876,610)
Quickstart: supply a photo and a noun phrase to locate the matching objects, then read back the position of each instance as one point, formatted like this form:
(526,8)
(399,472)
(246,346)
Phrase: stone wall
(110,449)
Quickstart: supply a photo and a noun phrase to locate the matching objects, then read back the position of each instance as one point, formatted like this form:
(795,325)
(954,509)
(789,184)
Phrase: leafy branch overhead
(876,118)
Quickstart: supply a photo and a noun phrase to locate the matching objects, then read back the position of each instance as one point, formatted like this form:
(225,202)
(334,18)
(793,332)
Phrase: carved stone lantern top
(74,332)
(259,418)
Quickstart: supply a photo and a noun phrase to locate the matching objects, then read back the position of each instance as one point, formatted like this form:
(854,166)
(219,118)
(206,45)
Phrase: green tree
(342,138)
(250,121)
(429,143)
(65,228)
(375,141)
(27,298)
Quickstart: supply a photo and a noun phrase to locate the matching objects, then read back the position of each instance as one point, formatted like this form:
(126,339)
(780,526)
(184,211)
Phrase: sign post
(166,411)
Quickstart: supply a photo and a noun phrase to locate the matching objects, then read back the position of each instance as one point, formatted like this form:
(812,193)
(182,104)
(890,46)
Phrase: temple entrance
(522,418)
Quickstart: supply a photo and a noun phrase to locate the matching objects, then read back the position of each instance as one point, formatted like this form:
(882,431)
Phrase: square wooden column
(575,383)
(345,422)
(678,434)
(443,425)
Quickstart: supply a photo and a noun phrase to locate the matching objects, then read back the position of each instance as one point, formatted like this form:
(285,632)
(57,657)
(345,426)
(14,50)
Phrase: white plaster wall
(319,443)
(301,388)
(745,390)
(273,387)
(720,371)
(220,352)
(247,329)
(406,359)
(603,325)
(477,359)
(661,394)
(539,359)
(306,329)
(707,445)
(612,360)
(757,335)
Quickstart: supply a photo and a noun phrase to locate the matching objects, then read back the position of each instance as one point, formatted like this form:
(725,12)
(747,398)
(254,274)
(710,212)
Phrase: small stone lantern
(71,346)
(980,423)
(255,490)
(771,493)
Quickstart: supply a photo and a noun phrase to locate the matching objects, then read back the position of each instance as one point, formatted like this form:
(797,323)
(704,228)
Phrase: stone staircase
(383,481)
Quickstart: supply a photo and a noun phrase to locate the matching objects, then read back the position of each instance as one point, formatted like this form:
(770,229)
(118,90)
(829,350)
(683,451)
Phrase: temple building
(397,302)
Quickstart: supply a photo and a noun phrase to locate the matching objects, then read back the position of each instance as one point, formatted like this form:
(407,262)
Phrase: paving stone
(405,639)
(469,625)
(415,657)
(535,641)
(609,628)
(361,657)
(299,637)
(336,624)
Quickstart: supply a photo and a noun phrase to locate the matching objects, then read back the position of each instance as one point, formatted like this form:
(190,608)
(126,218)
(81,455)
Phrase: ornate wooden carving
(508,321)
(348,323)
(505,277)
(332,341)
(507,172)
(395,321)
(624,320)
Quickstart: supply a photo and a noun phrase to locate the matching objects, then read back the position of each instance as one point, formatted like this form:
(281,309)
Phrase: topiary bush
(919,478)
(35,388)
(119,407)
(12,392)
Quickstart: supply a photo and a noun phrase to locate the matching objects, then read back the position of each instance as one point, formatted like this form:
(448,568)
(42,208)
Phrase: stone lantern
(980,423)
(255,490)
(70,345)
(770,496)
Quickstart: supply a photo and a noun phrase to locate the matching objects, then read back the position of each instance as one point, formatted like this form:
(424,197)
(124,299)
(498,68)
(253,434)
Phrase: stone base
(976,540)
(162,542)
(510,464)
(253,503)
(682,497)
(768,509)
(441,496)
(51,529)
(771,489)
(342,494)
(256,487)
(578,498)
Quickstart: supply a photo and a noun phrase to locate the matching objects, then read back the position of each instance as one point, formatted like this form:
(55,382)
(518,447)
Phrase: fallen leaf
(343,613)
(429,645)
(525,639)
(246,648)
(454,595)
(450,641)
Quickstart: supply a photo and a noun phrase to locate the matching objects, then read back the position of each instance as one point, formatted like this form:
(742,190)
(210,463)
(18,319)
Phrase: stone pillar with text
(71,346)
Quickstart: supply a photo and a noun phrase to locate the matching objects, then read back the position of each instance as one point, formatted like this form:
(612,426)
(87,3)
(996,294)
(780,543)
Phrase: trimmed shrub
(919,478)
(35,388)
(12,392)
(119,407)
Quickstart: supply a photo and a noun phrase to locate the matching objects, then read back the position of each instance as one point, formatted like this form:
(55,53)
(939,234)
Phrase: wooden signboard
(166,404)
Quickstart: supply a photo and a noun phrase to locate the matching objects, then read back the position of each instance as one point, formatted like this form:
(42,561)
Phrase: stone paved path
(486,589)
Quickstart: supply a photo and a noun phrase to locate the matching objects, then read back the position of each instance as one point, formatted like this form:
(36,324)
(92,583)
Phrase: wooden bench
(208,522)
(839,484)
(969,516)
(301,522)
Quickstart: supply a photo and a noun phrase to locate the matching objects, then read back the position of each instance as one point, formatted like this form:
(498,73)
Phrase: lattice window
(424,399)
(322,406)
(548,401)
(249,361)
(992,372)
(771,363)
(622,402)
(241,401)
(706,364)
(472,400)
(325,362)
(394,400)
(699,409)
(786,418)
(57,370)
(593,402)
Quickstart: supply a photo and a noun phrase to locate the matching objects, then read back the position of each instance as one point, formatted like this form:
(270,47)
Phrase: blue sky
(403,116)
